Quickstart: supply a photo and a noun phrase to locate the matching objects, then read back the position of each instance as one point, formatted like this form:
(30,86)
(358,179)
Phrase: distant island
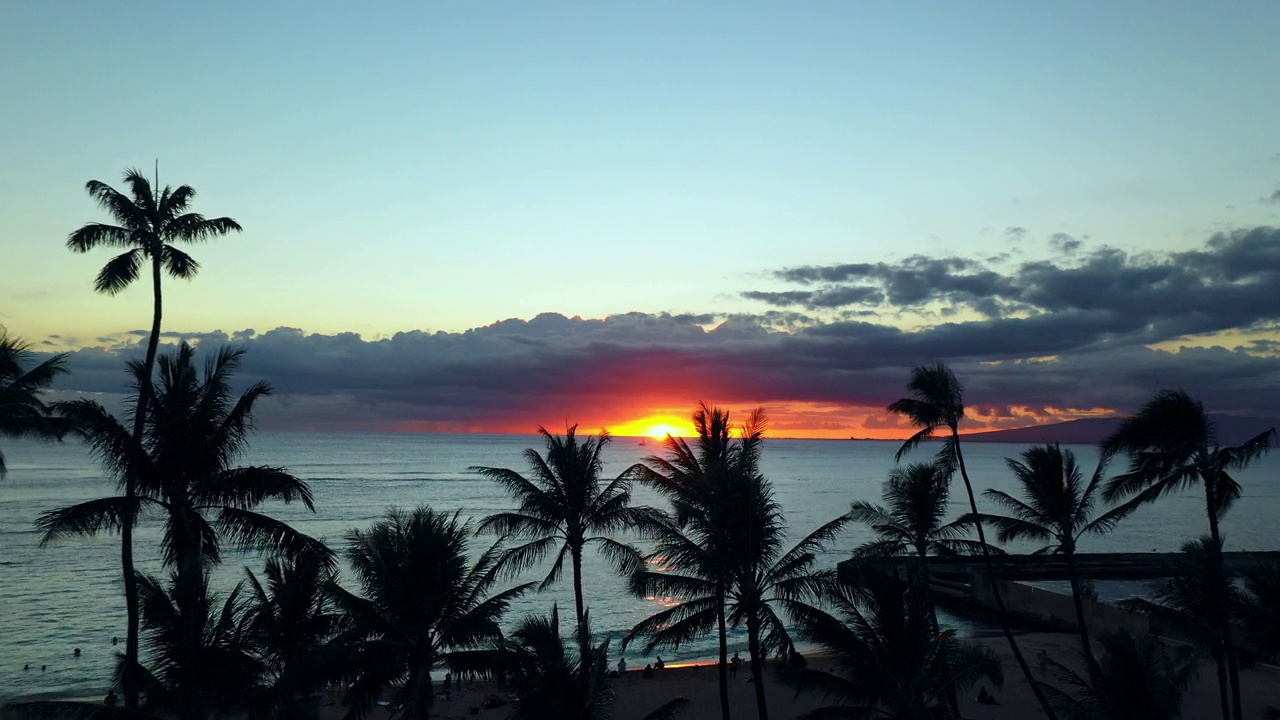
(1231,429)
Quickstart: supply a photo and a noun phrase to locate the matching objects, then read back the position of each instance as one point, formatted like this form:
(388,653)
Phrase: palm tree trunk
(1223,619)
(757,663)
(923,579)
(995,590)
(129,678)
(1079,603)
(575,556)
(723,667)
(1220,661)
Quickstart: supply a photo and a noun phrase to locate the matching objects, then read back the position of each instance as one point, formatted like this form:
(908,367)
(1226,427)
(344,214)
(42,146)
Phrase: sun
(661,430)
(656,427)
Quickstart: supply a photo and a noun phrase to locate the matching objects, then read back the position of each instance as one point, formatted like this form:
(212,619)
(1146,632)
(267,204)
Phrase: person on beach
(734,664)
(648,671)
(622,666)
(659,665)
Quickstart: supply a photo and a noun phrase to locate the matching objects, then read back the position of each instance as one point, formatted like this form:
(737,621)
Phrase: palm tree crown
(422,601)
(1172,445)
(1135,679)
(913,523)
(563,503)
(196,428)
(22,412)
(890,661)
(149,221)
(1057,505)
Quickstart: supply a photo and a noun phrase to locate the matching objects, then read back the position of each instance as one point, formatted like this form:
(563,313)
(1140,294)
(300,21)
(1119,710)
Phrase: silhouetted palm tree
(1056,507)
(913,526)
(196,427)
(766,577)
(889,661)
(22,412)
(291,623)
(696,546)
(551,683)
(1262,606)
(149,220)
(200,657)
(1172,445)
(939,405)
(564,504)
(1189,599)
(423,601)
(1133,679)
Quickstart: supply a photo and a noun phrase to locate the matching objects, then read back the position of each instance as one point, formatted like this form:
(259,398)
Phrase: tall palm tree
(564,504)
(890,662)
(913,526)
(550,683)
(938,405)
(766,577)
(291,622)
(196,428)
(696,545)
(201,659)
(1189,599)
(22,412)
(1172,446)
(422,602)
(1056,507)
(1134,679)
(149,220)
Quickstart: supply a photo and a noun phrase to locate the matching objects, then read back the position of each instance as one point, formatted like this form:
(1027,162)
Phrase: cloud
(1015,232)
(1273,199)
(1106,295)
(1081,345)
(1064,243)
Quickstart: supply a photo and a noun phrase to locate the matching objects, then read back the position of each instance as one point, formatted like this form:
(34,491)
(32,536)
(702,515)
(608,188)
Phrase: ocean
(68,595)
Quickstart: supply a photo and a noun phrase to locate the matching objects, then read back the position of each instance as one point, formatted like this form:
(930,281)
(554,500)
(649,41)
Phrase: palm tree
(195,430)
(1134,679)
(939,405)
(291,623)
(890,662)
(913,525)
(1172,446)
(550,683)
(201,658)
(149,221)
(22,413)
(1057,509)
(766,577)
(564,504)
(422,603)
(1189,599)
(696,545)
(1262,606)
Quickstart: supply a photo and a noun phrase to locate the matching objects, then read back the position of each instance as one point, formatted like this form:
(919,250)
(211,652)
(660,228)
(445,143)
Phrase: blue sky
(442,166)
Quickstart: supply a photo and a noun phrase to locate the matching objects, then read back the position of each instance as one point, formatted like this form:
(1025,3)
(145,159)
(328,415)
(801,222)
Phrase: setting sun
(656,426)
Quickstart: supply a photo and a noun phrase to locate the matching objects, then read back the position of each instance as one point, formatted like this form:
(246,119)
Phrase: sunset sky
(489,216)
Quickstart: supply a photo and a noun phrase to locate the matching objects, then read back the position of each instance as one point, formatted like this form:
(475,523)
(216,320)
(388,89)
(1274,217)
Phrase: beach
(635,695)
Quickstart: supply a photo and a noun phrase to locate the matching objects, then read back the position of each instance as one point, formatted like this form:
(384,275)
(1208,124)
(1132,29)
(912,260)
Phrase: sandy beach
(636,695)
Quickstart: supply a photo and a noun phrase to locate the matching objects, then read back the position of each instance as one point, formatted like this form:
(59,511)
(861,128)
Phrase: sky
(491,216)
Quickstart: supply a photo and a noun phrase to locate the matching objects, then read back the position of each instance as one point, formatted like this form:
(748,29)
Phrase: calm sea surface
(68,595)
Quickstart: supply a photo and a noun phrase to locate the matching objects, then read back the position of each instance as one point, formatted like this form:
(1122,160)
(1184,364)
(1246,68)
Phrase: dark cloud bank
(1061,334)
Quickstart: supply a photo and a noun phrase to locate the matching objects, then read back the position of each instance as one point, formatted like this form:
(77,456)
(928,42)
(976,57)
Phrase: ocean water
(68,595)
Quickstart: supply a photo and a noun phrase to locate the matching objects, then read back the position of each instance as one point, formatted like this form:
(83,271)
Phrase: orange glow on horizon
(656,427)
